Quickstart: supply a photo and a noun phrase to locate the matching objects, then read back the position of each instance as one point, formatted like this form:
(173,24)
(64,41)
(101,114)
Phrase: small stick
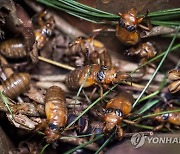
(158,30)
(46,85)
(56,63)
(134,85)
(51,78)
(79,141)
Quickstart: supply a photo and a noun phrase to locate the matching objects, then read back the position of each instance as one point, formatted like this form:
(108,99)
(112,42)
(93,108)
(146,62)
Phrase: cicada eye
(165,116)
(118,112)
(53,126)
(100,75)
(81,38)
(109,110)
(130,28)
(104,67)
(47,32)
(121,23)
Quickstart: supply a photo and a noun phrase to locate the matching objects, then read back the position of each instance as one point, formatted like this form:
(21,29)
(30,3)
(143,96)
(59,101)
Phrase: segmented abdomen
(13,48)
(76,78)
(55,107)
(16,84)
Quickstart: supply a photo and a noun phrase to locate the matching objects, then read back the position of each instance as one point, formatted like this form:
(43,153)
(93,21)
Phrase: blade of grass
(84,81)
(79,136)
(40,133)
(72,7)
(6,102)
(157,69)
(98,16)
(84,144)
(144,126)
(163,83)
(44,148)
(87,17)
(164,12)
(105,143)
(79,15)
(149,127)
(147,106)
(87,7)
(149,96)
(166,17)
(166,23)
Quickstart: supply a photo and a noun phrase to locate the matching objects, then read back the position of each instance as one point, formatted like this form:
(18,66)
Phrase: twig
(158,30)
(79,141)
(46,85)
(56,63)
(49,77)
(22,121)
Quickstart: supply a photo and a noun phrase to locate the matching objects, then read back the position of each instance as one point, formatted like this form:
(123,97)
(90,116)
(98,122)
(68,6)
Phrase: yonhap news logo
(138,140)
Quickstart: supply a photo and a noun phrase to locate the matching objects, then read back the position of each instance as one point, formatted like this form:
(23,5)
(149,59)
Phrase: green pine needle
(72,7)
(147,106)
(44,148)
(6,102)
(84,144)
(105,143)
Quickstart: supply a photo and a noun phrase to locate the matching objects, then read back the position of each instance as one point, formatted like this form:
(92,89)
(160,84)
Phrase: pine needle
(85,12)
(44,148)
(84,144)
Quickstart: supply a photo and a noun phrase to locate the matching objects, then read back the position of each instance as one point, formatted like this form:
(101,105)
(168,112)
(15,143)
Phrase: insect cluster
(93,100)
